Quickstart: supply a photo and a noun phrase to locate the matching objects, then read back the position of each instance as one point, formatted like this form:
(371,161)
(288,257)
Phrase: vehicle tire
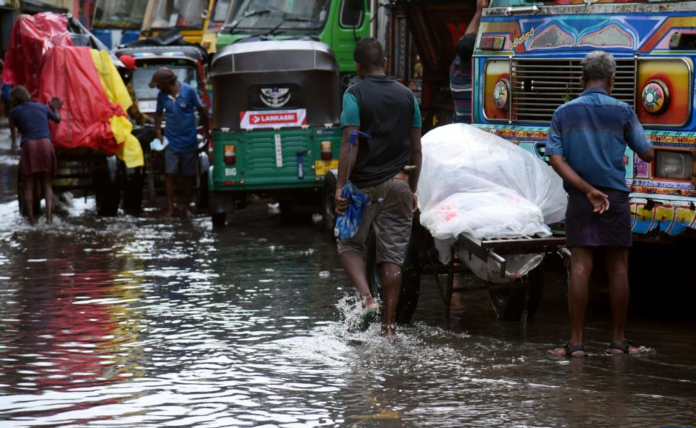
(509,304)
(411,273)
(219,220)
(203,191)
(285,211)
(328,204)
(107,190)
(134,183)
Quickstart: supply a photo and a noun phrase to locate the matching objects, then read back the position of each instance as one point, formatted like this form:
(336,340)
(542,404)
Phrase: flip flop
(622,346)
(368,317)
(569,350)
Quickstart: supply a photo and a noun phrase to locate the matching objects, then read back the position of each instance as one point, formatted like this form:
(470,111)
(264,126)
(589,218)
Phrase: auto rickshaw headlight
(230,155)
(326,152)
(501,94)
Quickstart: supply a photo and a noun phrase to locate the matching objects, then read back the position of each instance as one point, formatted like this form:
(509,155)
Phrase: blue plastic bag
(348,224)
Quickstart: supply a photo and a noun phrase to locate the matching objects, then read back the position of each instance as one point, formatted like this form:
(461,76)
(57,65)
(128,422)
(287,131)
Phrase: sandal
(569,350)
(621,346)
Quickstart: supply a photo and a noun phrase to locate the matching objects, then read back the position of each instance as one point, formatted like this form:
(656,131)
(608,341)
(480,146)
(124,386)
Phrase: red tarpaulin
(70,74)
(32,37)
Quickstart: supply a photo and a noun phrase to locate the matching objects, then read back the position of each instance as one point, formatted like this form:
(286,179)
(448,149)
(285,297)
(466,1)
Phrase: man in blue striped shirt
(461,81)
(586,145)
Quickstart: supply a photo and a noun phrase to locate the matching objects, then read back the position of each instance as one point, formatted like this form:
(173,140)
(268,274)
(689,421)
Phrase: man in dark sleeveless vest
(386,110)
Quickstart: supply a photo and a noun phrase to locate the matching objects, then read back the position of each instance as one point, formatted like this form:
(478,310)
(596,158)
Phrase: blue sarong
(348,224)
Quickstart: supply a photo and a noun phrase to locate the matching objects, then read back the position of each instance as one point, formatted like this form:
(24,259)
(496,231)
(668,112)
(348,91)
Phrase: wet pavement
(138,322)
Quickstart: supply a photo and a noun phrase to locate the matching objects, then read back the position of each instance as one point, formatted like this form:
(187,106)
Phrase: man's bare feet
(369,303)
(388,330)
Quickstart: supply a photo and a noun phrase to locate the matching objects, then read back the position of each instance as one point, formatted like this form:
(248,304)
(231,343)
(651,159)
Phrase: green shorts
(391,219)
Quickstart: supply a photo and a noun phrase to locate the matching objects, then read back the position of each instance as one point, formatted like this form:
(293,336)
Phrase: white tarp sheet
(476,183)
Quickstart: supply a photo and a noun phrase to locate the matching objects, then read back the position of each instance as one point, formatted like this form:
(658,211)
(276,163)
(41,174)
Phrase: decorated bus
(528,62)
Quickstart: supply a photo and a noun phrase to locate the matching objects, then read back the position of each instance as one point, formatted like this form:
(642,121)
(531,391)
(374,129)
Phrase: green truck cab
(275,123)
(337,23)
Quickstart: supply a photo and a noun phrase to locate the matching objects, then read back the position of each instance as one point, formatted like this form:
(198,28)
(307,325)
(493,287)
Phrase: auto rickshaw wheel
(203,192)
(219,220)
(329,204)
(107,188)
(510,303)
(410,273)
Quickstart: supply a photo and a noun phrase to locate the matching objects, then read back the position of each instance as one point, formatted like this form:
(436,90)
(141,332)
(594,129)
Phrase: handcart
(515,300)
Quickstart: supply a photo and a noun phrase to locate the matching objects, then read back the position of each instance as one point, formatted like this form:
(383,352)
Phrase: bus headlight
(655,97)
(501,94)
(664,89)
(673,165)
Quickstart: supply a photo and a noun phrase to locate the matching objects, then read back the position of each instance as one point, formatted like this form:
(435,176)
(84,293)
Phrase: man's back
(386,110)
(592,133)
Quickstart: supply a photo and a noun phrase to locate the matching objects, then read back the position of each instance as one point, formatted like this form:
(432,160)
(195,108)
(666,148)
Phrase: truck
(527,63)
(337,23)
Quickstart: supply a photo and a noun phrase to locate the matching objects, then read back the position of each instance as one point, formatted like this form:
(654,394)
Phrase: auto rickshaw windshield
(269,14)
(142,77)
(178,14)
(127,14)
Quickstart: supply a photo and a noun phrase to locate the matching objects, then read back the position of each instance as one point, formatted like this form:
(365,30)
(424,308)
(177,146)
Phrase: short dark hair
(598,66)
(369,53)
(19,95)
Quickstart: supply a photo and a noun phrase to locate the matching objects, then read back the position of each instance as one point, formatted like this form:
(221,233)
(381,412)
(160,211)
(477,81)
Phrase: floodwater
(137,322)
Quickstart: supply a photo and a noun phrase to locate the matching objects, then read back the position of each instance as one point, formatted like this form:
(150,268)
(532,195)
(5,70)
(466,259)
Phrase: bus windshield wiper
(247,15)
(286,20)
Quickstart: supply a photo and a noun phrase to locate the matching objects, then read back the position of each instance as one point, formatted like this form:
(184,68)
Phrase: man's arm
(599,200)
(345,158)
(648,155)
(636,139)
(414,134)
(476,20)
(158,126)
(203,114)
(54,113)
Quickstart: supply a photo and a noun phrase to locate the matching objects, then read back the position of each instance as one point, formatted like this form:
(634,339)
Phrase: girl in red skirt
(38,158)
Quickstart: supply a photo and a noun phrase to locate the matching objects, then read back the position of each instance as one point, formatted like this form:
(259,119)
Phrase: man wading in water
(388,111)
(586,146)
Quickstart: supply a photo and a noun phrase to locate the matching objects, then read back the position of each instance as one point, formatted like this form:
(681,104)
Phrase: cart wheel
(219,220)
(411,273)
(329,204)
(107,189)
(510,303)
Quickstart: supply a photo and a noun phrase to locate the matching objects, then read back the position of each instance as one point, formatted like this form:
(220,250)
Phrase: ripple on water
(134,322)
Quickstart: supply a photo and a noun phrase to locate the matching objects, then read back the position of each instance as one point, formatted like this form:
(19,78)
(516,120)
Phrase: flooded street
(138,322)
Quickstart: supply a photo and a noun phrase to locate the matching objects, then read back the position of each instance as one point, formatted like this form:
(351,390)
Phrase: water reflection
(138,323)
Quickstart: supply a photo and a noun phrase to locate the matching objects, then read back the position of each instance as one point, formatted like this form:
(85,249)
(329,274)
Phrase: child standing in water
(37,157)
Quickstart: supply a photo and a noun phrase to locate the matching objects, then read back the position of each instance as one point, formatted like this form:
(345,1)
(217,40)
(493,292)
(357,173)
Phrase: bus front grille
(539,87)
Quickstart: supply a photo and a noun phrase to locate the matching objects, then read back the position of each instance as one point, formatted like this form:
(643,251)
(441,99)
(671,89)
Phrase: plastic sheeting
(44,60)
(32,37)
(348,224)
(473,182)
(130,150)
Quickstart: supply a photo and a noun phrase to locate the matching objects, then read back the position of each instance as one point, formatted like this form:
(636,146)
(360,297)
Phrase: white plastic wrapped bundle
(477,183)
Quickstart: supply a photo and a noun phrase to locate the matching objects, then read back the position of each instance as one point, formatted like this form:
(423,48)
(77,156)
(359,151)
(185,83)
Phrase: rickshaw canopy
(262,75)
